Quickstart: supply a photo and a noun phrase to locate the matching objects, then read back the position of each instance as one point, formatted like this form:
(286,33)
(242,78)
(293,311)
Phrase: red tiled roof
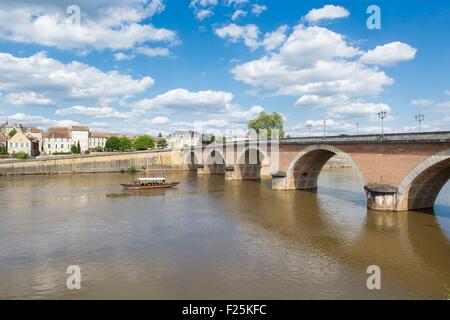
(99,135)
(60,133)
(80,128)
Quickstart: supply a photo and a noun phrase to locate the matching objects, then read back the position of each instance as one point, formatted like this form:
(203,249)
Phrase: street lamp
(309,126)
(357,128)
(382,115)
(419,118)
(324,128)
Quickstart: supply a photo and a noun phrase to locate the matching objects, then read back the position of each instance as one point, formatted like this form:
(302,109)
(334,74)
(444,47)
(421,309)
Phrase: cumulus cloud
(182,99)
(58,81)
(389,54)
(248,34)
(96,112)
(422,102)
(327,12)
(273,40)
(257,9)
(203,8)
(238,14)
(107,26)
(29,98)
(158,121)
(313,60)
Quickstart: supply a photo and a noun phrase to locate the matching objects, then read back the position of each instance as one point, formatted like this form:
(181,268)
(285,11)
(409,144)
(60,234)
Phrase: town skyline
(161,66)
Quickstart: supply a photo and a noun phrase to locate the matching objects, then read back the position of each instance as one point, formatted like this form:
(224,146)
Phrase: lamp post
(324,128)
(382,115)
(419,118)
(309,126)
(357,128)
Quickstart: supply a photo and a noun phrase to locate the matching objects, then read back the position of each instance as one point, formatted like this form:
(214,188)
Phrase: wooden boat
(149,183)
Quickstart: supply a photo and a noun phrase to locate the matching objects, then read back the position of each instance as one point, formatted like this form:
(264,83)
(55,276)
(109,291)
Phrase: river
(215,239)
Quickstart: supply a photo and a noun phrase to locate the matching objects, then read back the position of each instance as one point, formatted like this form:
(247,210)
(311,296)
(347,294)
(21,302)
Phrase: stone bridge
(399,171)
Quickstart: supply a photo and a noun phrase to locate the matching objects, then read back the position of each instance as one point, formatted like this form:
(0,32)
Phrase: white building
(181,139)
(97,139)
(57,140)
(80,134)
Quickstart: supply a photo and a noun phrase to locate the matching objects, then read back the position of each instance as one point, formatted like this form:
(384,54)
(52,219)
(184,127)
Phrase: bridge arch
(249,164)
(303,171)
(420,188)
(192,159)
(213,161)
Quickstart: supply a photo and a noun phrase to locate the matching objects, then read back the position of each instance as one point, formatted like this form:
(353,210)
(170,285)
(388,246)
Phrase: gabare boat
(149,183)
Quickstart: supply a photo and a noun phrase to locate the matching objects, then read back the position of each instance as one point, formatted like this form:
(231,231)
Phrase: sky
(150,66)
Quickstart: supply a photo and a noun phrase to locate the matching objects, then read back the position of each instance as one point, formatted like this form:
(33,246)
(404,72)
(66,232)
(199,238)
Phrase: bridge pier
(211,169)
(381,197)
(244,172)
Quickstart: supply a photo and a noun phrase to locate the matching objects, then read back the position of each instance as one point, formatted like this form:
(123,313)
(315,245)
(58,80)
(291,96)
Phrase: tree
(12,133)
(144,142)
(162,143)
(125,144)
(268,122)
(74,149)
(208,139)
(112,144)
(78,147)
(21,155)
(2,150)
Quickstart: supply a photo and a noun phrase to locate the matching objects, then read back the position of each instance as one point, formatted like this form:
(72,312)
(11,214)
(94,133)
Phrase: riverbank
(96,163)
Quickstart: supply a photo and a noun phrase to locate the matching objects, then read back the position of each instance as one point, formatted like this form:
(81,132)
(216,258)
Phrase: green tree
(208,139)
(98,149)
(74,149)
(78,147)
(268,122)
(162,143)
(2,150)
(125,144)
(12,133)
(112,144)
(144,142)
(21,155)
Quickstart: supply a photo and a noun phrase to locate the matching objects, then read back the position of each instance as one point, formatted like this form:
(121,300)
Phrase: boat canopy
(151,179)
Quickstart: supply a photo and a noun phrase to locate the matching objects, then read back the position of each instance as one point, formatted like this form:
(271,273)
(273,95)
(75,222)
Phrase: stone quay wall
(105,162)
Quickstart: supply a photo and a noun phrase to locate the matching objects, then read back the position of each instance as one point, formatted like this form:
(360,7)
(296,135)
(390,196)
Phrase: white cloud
(119,56)
(389,54)
(422,102)
(58,81)
(248,33)
(327,12)
(447,92)
(29,98)
(276,38)
(114,26)
(341,106)
(96,112)
(237,2)
(238,14)
(257,9)
(182,99)
(203,14)
(313,60)
(203,8)
(158,121)
(154,52)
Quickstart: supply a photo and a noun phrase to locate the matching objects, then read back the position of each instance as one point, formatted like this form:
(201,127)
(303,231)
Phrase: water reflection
(209,238)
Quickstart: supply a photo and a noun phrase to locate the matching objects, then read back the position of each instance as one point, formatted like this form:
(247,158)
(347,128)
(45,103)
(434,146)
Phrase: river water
(215,239)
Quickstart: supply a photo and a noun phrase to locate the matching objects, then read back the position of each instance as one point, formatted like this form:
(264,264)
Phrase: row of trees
(140,143)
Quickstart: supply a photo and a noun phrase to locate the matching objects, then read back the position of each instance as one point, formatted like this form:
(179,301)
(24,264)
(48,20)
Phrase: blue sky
(156,66)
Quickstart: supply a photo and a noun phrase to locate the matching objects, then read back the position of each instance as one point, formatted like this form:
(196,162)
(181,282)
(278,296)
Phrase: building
(3,141)
(36,133)
(80,134)
(181,139)
(23,142)
(57,140)
(97,139)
